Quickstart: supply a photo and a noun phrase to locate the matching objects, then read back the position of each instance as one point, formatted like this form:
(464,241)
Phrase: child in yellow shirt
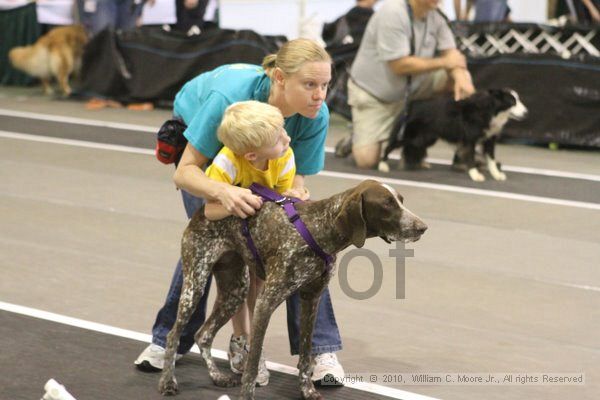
(256,151)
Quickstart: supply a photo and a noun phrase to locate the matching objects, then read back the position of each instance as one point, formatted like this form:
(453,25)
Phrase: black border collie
(478,119)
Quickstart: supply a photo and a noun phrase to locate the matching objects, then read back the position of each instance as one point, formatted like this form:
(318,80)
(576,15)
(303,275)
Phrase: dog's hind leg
(196,270)
(232,278)
(191,292)
(47,86)
(275,291)
(309,302)
(466,152)
(61,65)
(413,157)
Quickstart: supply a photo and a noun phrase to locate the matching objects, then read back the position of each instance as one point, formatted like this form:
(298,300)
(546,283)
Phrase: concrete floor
(496,284)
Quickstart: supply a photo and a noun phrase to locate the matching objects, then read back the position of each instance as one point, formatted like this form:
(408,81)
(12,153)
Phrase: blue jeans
(97,15)
(491,10)
(326,336)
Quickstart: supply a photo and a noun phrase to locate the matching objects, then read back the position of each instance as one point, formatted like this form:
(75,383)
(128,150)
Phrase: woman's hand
(238,201)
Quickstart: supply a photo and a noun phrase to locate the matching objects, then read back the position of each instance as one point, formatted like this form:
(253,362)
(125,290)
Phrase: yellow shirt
(236,170)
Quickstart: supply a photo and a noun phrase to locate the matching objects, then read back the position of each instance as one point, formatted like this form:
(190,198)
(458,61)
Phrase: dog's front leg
(309,302)
(489,146)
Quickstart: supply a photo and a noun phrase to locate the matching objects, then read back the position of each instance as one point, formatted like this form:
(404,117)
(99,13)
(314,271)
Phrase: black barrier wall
(150,64)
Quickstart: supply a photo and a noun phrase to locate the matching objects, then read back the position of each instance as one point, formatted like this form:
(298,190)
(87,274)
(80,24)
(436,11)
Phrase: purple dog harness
(287,203)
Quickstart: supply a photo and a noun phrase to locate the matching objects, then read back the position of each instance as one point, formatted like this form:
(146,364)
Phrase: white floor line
(465,190)
(402,182)
(79,121)
(153,129)
(72,142)
(511,168)
(128,334)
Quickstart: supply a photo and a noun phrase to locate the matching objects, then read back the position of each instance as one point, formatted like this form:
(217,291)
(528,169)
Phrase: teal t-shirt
(203,100)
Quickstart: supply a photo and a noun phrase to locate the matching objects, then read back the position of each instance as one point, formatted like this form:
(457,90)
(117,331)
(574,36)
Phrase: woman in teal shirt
(294,80)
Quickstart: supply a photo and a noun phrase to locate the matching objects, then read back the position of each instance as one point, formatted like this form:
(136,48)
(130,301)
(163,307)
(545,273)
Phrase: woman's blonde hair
(250,125)
(293,54)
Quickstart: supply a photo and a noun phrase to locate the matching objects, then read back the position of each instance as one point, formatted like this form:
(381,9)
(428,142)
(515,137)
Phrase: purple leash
(287,203)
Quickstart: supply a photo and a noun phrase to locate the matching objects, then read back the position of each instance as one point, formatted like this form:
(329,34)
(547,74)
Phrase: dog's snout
(420,227)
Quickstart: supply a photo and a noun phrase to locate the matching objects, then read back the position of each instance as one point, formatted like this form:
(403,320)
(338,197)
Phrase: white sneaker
(262,378)
(238,353)
(152,359)
(328,370)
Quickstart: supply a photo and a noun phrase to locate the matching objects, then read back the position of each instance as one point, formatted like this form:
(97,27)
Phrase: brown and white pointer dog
(219,247)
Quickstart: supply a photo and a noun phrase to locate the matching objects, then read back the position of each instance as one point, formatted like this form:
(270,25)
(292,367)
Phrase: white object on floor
(56,391)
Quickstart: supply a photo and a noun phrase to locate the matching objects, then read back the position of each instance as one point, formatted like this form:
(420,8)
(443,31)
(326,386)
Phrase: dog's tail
(396,140)
(33,60)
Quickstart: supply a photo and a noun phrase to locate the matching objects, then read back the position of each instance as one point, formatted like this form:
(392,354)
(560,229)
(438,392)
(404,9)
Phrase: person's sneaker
(237,354)
(262,378)
(328,370)
(238,351)
(343,148)
(152,359)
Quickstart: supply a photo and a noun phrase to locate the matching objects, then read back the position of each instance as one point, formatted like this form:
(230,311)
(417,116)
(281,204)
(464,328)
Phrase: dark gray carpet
(96,366)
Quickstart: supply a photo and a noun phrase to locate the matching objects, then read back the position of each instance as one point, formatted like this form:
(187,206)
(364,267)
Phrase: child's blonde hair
(250,125)
(293,54)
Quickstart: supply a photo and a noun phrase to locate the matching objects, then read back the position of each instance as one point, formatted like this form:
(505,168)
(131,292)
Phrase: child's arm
(298,189)
(214,211)
(289,184)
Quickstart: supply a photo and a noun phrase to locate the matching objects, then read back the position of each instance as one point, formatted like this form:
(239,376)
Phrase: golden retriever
(56,54)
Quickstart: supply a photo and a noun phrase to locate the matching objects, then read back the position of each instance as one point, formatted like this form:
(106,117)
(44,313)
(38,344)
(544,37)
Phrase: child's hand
(301,193)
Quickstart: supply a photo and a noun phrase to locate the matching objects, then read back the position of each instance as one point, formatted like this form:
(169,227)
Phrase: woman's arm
(190,177)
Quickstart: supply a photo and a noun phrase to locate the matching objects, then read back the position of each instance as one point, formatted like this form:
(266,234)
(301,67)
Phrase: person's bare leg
(241,321)
(367,156)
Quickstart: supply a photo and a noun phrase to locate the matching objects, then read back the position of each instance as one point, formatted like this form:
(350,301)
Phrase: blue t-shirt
(202,101)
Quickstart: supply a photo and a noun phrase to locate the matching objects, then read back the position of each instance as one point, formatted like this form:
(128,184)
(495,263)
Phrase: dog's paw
(226,379)
(168,387)
(499,176)
(383,167)
(495,171)
(476,175)
(311,395)
(424,165)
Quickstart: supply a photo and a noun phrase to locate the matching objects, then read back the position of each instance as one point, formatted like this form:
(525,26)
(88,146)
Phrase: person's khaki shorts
(373,120)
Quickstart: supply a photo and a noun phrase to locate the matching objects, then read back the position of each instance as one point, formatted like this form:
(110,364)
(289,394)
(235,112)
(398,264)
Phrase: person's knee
(366,157)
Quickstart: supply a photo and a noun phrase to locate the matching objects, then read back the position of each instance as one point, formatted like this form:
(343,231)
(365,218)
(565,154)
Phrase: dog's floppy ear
(350,221)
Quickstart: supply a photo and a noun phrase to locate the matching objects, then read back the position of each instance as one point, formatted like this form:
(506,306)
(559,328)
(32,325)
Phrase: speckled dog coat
(219,247)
